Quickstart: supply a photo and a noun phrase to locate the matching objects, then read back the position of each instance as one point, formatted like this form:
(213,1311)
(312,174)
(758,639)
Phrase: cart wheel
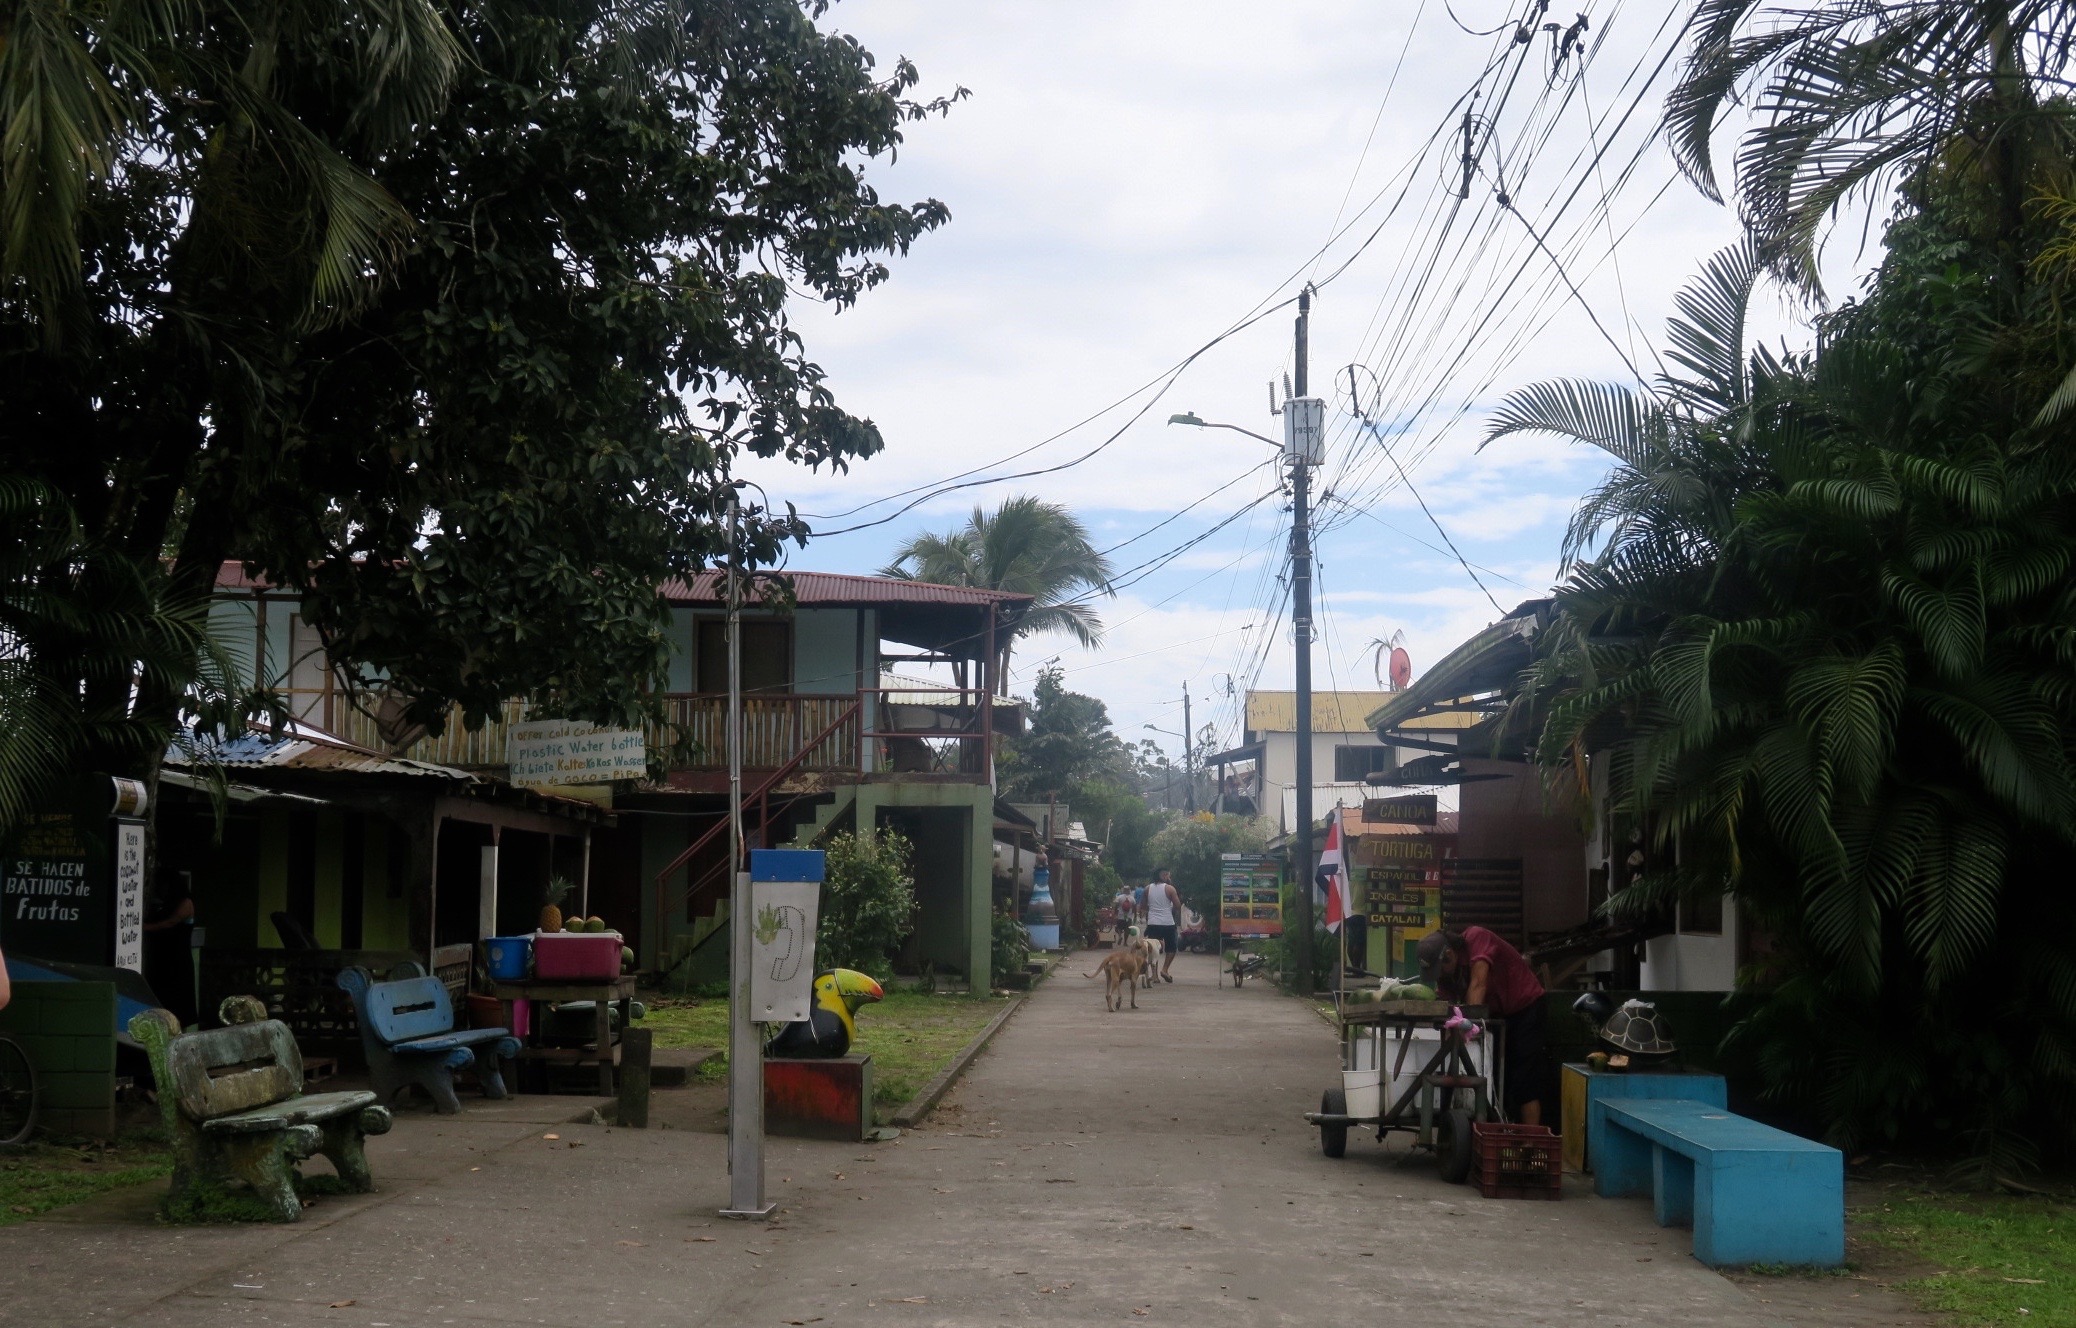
(1333,1139)
(1454,1149)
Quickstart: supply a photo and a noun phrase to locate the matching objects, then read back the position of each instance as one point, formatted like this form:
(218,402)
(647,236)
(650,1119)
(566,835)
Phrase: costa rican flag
(1335,899)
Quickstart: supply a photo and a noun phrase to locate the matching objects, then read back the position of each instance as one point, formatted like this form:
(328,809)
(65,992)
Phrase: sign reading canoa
(1412,809)
(544,753)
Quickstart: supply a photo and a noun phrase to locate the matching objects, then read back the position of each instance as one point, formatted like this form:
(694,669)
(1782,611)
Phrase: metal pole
(1301,630)
(745,1049)
(1189,763)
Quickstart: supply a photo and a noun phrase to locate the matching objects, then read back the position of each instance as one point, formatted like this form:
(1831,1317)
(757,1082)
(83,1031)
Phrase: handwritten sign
(129,895)
(545,753)
(54,880)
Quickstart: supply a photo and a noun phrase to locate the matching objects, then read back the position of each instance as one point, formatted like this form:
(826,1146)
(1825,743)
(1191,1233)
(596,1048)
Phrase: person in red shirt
(1477,967)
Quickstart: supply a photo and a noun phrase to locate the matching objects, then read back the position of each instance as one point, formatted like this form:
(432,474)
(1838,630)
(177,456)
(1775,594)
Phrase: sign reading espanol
(544,753)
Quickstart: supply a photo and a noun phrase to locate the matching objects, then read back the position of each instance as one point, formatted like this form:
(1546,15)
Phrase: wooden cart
(1431,1084)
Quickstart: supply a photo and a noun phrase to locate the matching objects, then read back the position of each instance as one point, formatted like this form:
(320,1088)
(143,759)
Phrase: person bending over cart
(1477,967)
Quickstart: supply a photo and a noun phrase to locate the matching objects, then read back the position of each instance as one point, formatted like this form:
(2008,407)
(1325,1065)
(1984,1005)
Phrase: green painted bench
(234,1104)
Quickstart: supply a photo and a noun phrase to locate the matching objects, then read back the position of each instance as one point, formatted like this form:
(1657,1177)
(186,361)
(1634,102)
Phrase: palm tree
(1817,626)
(1851,95)
(1028,547)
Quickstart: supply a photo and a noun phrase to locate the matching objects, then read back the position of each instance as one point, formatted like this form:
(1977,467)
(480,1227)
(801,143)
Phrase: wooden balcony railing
(773,728)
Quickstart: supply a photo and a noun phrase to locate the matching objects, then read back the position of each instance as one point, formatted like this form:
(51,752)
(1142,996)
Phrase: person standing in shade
(1477,967)
(1164,918)
(169,955)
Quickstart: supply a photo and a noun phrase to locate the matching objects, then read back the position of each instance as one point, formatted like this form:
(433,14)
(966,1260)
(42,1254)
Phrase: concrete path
(1141,1167)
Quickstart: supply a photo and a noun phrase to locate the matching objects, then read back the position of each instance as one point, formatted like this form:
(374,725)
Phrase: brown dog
(1120,969)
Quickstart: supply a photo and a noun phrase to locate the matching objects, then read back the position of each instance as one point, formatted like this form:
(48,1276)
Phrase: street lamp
(1303,445)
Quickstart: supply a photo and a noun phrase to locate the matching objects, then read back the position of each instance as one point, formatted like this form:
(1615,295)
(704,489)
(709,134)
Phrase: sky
(1133,182)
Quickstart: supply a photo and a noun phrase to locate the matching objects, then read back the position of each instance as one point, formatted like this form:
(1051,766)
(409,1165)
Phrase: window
(767,655)
(1701,915)
(1354,764)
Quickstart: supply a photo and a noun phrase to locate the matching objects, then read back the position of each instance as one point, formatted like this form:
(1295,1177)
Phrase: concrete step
(674,1067)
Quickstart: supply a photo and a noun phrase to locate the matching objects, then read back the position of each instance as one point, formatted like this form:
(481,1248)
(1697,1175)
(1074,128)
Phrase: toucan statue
(830,1025)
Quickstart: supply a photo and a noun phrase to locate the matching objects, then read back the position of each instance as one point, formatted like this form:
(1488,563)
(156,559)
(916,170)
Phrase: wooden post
(635,1047)
(991,679)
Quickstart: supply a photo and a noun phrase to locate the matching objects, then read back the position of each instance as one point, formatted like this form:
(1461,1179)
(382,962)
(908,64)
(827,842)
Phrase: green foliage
(1027,546)
(1191,847)
(453,320)
(1068,745)
(868,901)
(1819,627)
(1009,946)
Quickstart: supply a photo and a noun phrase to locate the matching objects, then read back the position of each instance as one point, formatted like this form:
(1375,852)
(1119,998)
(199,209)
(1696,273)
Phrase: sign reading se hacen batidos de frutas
(544,753)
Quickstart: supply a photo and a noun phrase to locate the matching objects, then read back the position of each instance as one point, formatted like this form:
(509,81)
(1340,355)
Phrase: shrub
(868,901)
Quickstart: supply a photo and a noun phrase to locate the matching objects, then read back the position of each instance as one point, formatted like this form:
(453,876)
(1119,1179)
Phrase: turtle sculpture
(830,1024)
(1639,1030)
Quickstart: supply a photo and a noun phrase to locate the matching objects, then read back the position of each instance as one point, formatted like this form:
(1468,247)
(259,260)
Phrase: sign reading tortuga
(545,753)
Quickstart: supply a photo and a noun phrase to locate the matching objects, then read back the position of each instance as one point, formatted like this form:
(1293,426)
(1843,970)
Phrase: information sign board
(1250,895)
(1408,809)
(544,753)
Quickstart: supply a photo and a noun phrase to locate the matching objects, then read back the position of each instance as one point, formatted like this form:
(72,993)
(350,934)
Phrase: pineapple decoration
(551,911)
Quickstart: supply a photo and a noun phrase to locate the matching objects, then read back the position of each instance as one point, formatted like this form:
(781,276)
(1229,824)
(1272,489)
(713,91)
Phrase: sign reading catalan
(1410,809)
(544,753)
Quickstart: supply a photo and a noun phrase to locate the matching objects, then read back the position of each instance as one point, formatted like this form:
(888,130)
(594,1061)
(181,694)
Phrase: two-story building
(831,741)
(1258,777)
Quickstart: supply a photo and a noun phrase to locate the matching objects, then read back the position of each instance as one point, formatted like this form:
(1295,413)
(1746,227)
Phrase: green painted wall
(385,921)
(331,885)
(273,873)
(68,1031)
(825,651)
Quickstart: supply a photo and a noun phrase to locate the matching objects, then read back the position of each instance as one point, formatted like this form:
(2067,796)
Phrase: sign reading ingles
(547,752)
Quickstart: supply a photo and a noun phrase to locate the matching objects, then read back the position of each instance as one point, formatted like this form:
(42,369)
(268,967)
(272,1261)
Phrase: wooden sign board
(1411,809)
(1395,850)
(1250,895)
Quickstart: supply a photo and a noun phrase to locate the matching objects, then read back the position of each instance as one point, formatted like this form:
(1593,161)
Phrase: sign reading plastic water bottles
(785,903)
(129,895)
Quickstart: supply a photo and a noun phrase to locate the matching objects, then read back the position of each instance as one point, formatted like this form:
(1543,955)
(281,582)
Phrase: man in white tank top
(1164,917)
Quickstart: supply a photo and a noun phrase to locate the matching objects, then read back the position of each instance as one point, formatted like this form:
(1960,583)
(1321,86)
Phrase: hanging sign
(785,901)
(1411,809)
(1395,851)
(129,895)
(55,887)
(545,753)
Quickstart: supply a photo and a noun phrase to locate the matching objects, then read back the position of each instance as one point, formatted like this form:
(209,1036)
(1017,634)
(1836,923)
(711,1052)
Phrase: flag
(1335,900)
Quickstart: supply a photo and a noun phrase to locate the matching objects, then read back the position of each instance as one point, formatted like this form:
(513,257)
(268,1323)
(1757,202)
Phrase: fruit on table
(595,924)
(551,918)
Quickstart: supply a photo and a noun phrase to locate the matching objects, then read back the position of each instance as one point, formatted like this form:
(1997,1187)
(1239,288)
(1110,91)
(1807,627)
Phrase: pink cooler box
(568,954)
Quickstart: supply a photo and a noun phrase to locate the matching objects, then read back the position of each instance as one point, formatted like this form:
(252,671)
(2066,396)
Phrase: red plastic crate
(1518,1161)
(576,955)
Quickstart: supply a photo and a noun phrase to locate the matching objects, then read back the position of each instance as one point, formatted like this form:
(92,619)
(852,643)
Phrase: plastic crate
(580,956)
(1518,1161)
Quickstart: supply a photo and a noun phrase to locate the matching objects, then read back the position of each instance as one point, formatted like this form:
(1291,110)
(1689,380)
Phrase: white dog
(1152,949)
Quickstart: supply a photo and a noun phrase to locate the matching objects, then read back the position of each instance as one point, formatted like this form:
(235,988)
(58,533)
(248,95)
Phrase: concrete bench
(407,1030)
(233,1101)
(1753,1194)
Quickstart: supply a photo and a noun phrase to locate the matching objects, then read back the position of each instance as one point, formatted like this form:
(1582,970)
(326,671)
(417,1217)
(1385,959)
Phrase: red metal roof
(838,588)
(825,589)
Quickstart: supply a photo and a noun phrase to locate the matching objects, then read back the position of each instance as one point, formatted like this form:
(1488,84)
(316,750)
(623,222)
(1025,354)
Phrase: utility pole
(1299,413)
(745,1051)
(1189,760)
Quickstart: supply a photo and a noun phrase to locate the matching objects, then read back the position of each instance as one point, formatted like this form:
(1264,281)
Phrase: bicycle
(19,1102)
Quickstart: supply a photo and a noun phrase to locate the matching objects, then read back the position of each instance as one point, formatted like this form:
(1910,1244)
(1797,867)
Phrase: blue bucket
(508,957)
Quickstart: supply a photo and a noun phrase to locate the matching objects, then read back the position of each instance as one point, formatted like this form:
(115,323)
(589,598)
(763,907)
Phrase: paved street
(1142,1167)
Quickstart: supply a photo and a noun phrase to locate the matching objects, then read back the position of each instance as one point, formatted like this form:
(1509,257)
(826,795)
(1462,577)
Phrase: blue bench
(407,1030)
(1753,1194)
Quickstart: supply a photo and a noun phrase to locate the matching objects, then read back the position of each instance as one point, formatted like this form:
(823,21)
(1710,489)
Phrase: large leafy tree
(1820,625)
(477,414)
(1027,546)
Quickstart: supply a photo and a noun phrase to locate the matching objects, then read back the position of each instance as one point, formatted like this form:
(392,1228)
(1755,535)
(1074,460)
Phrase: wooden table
(602,992)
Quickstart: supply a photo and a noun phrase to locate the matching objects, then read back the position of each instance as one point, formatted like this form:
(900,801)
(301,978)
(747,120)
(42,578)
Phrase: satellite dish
(1401,668)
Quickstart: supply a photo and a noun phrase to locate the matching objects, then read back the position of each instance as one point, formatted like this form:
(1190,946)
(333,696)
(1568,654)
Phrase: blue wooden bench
(407,1029)
(1753,1194)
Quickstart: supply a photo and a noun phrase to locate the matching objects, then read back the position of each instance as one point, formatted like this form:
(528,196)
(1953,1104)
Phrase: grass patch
(45,1176)
(910,1035)
(2001,1260)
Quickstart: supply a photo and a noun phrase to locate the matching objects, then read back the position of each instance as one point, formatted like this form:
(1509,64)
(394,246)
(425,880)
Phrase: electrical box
(1304,430)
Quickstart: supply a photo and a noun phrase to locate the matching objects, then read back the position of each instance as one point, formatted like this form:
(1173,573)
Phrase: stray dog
(1152,950)
(1121,970)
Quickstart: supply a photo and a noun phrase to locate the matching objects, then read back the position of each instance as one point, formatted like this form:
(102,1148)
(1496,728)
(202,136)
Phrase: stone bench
(233,1101)
(407,1030)
(1753,1194)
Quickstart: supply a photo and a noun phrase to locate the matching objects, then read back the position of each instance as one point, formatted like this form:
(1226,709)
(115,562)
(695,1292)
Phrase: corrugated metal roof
(809,588)
(1332,712)
(826,589)
(300,747)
